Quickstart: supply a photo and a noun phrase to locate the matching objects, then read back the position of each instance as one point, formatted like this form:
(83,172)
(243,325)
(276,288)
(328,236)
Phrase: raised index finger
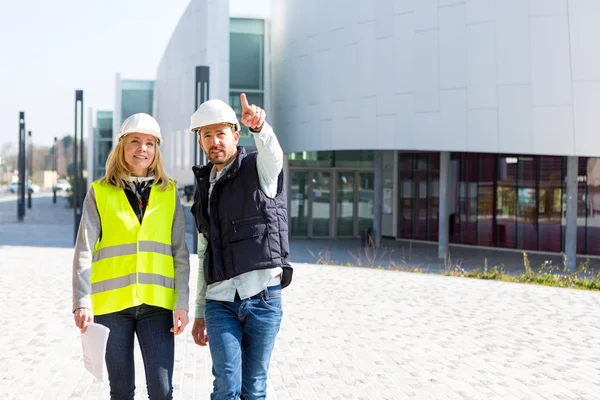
(244,102)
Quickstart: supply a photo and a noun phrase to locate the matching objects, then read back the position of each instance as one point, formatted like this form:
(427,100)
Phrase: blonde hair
(116,167)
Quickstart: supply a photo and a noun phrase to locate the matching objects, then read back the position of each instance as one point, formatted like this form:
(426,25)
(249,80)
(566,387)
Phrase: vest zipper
(245,221)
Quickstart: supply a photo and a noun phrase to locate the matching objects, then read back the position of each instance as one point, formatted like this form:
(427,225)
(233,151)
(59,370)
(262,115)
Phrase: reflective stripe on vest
(133,263)
(123,281)
(125,249)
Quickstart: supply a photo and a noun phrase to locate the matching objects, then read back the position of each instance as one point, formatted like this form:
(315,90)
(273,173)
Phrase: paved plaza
(347,333)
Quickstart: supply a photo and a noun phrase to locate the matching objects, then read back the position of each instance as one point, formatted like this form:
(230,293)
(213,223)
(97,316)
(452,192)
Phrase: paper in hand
(94,349)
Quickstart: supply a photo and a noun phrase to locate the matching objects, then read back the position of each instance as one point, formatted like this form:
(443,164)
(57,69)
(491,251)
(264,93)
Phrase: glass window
(527,221)
(246,54)
(421,197)
(246,138)
(345,204)
(550,203)
(354,159)
(311,159)
(137,85)
(434,196)
(299,203)
(136,101)
(321,203)
(582,209)
(365,200)
(104,122)
(506,202)
(467,198)
(406,191)
(592,178)
(485,200)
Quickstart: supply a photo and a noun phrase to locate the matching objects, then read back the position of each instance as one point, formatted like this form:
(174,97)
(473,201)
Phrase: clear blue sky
(48,49)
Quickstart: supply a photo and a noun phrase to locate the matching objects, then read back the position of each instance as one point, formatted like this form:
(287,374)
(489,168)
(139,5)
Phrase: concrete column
(571,231)
(378,198)
(444,223)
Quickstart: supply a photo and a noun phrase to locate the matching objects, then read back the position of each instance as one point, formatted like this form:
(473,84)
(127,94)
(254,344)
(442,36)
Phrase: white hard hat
(141,123)
(213,112)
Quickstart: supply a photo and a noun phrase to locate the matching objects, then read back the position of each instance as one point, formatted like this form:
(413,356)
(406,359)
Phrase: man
(240,208)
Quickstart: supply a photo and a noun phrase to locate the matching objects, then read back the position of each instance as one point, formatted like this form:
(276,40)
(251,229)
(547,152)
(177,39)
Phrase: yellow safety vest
(133,263)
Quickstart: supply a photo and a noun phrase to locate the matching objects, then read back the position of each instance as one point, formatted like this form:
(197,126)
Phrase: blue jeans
(241,336)
(152,325)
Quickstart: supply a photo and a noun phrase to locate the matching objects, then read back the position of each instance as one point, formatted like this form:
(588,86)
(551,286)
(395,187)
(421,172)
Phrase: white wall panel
(405,122)
(586,98)
(481,66)
(585,48)
(550,61)
(427,128)
(453,119)
(547,7)
(403,51)
(426,71)
(453,47)
(384,12)
(512,42)
(515,119)
(367,60)
(426,15)
(553,130)
(480,11)
(385,131)
(404,6)
(446,3)
(482,129)
(470,75)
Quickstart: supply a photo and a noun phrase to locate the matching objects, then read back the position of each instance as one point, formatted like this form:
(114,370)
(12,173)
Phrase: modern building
(449,121)
(131,97)
(99,142)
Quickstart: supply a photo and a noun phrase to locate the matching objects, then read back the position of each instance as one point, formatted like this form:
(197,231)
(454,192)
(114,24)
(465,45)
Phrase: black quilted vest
(246,230)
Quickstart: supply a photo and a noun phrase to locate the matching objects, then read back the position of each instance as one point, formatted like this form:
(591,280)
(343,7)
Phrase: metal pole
(444,206)
(21,190)
(76,174)
(201,95)
(30,171)
(378,199)
(82,184)
(55,175)
(571,231)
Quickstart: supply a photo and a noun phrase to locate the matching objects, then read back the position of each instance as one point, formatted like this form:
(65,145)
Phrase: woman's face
(139,152)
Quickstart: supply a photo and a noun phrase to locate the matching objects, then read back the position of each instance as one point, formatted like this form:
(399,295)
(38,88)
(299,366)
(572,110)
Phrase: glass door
(365,200)
(345,204)
(298,207)
(321,204)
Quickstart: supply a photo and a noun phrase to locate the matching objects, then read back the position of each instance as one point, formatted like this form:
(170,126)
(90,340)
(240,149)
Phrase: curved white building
(472,122)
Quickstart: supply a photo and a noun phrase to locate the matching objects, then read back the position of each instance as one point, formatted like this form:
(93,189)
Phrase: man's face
(219,143)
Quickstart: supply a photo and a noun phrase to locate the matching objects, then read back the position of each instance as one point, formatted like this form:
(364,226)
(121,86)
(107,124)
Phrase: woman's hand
(180,320)
(82,317)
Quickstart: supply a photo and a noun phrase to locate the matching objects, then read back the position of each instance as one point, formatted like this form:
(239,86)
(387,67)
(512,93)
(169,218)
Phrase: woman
(131,263)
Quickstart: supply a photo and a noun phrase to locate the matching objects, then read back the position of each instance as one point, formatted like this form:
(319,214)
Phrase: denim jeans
(152,326)
(241,336)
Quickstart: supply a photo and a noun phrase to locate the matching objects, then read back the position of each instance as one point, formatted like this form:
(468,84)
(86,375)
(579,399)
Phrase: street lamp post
(55,174)
(77,174)
(21,197)
(201,95)
(29,188)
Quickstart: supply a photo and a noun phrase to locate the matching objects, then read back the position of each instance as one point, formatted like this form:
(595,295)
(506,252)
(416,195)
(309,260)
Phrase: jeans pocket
(271,299)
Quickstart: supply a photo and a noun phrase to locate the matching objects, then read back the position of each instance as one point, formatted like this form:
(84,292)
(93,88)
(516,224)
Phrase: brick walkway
(347,333)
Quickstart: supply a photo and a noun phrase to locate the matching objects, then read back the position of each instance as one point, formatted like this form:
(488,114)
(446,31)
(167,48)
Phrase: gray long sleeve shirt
(89,232)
